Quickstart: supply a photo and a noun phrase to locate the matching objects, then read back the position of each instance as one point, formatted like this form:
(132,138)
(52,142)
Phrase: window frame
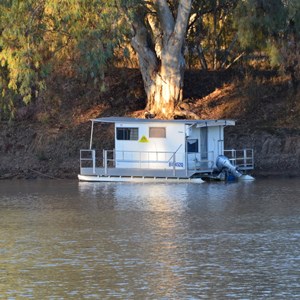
(164,135)
(128,133)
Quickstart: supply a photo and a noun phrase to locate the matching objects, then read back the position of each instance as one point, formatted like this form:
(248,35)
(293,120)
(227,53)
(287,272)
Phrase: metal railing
(173,159)
(142,158)
(145,159)
(88,159)
(242,159)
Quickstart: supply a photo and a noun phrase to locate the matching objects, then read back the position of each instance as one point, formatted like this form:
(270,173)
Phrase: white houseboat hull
(96,178)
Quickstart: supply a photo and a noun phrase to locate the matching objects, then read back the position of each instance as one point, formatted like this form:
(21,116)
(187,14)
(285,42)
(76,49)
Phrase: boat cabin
(155,148)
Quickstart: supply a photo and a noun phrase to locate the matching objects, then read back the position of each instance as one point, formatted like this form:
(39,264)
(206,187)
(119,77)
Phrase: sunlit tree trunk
(162,62)
(166,91)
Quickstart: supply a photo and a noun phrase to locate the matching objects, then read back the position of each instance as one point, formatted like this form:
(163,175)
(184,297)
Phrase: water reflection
(69,240)
(164,197)
(142,197)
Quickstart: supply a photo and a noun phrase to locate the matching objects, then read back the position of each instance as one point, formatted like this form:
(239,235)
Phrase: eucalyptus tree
(37,35)
(158,35)
(19,57)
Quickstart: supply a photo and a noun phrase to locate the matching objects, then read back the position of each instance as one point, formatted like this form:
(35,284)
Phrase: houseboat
(164,151)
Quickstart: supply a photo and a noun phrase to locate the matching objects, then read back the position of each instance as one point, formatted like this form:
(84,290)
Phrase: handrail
(241,158)
(92,158)
(143,152)
(174,159)
(174,153)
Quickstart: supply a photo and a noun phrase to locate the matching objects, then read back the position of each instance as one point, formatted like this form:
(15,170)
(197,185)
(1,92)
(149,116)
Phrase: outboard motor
(223,163)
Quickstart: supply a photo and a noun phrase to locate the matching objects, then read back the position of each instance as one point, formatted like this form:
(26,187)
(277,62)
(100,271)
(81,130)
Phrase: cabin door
(197,150)
(193,155)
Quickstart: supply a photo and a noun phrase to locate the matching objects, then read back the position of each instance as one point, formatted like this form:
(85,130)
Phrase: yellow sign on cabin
(143,139)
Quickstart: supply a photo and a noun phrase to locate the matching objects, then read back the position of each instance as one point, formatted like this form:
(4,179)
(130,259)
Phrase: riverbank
(45,142)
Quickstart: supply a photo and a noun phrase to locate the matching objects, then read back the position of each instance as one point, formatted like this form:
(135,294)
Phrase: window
(203,142)
(192,146)
(157,132)
(127,134)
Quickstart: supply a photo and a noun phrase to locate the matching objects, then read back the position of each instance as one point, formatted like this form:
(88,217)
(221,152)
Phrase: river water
(61,239)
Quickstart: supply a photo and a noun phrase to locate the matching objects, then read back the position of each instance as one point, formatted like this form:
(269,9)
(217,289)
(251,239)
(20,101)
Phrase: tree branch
(156,34)
(165,16)
(140,43)
(182,19)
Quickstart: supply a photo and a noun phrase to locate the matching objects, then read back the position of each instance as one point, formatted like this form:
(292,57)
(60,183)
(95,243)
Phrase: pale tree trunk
(167,93)
(162,64)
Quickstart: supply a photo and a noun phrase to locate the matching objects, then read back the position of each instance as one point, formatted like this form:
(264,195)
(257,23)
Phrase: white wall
(157,151)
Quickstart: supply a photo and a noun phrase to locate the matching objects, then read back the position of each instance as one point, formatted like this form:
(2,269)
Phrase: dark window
(157,132)
(128,134)
(192,145)
(203,142)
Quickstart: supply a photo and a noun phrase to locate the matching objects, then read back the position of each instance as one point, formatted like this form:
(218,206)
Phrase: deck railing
(242,159)
(88,159)
(143,158)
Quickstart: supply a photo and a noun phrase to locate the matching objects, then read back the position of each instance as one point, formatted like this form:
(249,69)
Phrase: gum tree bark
(158,39)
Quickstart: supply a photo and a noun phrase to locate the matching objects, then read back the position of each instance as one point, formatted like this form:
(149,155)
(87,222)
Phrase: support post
(94,161)
(91,138)
(186,163)
(105,162)
(174,161)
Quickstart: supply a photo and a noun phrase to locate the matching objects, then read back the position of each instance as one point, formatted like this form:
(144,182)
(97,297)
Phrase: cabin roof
(198,123)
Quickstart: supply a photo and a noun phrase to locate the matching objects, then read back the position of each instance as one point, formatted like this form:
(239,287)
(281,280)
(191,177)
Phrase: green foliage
(18,44)
(293,14)
(258,21)
(97,37)
(273,27)
(37,36)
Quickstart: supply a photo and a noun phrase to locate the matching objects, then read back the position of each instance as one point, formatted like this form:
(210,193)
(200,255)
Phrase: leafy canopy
(39,35)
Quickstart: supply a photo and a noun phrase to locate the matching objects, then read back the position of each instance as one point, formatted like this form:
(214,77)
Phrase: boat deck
(138,175)
(140,172)
(92,169)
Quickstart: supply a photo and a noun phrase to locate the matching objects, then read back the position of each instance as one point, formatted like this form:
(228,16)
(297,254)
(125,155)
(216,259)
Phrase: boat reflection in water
(143,197)
(171,197)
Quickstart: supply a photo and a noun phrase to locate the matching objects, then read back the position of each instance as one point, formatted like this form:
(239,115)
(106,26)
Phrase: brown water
(70,240)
